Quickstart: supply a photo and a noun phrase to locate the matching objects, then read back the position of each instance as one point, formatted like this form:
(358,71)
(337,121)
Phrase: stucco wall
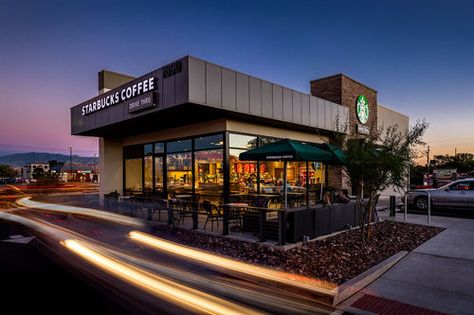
(387,117)
(110,165)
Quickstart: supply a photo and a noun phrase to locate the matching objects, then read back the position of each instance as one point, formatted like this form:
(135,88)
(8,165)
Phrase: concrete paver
(439,300)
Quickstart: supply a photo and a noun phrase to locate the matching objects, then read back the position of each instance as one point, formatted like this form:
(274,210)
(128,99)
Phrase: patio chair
(183,209)
(213,213)
(235,215)
(260,202)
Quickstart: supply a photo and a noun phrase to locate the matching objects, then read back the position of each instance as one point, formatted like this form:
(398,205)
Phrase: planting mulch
(335,259)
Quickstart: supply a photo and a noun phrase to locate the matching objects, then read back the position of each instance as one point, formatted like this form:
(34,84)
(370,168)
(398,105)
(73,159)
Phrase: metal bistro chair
(236,214)
(184,209)
(213,213)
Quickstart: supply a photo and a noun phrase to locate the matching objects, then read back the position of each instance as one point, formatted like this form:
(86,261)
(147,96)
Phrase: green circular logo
(362,109)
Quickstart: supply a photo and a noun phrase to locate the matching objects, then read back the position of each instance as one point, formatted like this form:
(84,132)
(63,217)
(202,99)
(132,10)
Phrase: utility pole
(70,161)
(428,161)
(455,151)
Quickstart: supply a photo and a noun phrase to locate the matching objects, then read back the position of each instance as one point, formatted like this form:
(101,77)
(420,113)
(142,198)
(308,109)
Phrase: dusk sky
(418,55)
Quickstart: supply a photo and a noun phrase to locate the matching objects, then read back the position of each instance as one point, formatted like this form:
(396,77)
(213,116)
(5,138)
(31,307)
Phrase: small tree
(38,173)
(7,171)
(381,160)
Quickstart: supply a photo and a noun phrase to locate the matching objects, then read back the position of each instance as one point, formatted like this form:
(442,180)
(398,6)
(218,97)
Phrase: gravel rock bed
(335,259)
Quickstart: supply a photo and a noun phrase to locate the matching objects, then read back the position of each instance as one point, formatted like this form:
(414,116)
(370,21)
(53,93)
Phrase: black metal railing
(264,223)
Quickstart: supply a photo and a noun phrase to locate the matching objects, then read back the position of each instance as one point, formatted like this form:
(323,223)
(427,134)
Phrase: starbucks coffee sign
(362,109)
(129,92)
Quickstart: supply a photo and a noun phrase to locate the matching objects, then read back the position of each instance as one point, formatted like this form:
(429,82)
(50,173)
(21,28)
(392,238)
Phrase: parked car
(457,194)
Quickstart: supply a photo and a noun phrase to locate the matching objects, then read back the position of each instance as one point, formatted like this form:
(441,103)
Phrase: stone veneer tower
(343,90)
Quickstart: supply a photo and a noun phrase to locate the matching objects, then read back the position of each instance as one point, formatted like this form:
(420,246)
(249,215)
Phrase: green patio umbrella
(287,150)
(339,156)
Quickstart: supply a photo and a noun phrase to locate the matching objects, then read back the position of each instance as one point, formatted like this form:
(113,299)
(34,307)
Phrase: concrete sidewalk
(437,276)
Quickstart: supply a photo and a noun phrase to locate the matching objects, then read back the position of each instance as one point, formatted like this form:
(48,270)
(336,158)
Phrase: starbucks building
(179,130)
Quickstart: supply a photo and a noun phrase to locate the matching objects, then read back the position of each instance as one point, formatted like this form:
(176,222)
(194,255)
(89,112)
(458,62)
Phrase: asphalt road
(136,277)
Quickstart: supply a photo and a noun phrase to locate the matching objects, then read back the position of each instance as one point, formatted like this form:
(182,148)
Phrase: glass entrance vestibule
(207,167)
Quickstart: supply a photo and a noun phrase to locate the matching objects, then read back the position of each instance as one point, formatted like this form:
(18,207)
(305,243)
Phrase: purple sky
(417,54)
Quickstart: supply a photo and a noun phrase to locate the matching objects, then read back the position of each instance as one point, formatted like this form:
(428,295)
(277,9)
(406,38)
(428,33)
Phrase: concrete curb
(354,285)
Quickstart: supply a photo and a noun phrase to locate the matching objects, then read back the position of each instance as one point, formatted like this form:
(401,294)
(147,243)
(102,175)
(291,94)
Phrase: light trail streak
(14,187)
(173,292)
(229,264)
(38,226)
(178,294)
(284,302)
(107,216)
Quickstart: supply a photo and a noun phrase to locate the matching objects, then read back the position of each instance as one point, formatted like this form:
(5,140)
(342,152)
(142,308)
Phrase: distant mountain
(21,159)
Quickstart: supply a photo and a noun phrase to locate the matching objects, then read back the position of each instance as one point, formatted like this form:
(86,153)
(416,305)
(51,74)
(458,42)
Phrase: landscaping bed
(335,259)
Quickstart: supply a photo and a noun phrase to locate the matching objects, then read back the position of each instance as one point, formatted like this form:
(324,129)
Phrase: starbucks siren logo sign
(362,109)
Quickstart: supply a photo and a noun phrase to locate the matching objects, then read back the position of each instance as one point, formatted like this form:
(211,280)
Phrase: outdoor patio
(247,222)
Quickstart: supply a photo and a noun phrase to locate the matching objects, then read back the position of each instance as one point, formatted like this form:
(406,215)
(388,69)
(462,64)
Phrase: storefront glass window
(242,141)
(148,167)
(148,149)
(266,140)
(316,173)
(133,175)
(271,177)
(209,176)
(179,146)
(159,173)
(243,174)
(179,167)
(209,142)
(159,147)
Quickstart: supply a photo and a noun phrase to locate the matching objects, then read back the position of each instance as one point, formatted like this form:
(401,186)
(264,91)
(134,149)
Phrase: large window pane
(159,147)
(209,176)
(243,174)
(148,173)
(133,175)
(242,141)
(159,173)
(209,142)
(179,173)
(272,172)
(179,146)
(148,149)
(266,140)
(316,173)
(148,166)
(271,176)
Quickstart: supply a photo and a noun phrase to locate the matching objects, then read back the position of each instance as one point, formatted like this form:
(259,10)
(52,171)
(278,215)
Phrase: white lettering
(134,89)
(125,94)
(140,85)
(151,82)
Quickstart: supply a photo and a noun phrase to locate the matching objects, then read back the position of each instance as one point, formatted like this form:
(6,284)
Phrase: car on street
(457,194)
